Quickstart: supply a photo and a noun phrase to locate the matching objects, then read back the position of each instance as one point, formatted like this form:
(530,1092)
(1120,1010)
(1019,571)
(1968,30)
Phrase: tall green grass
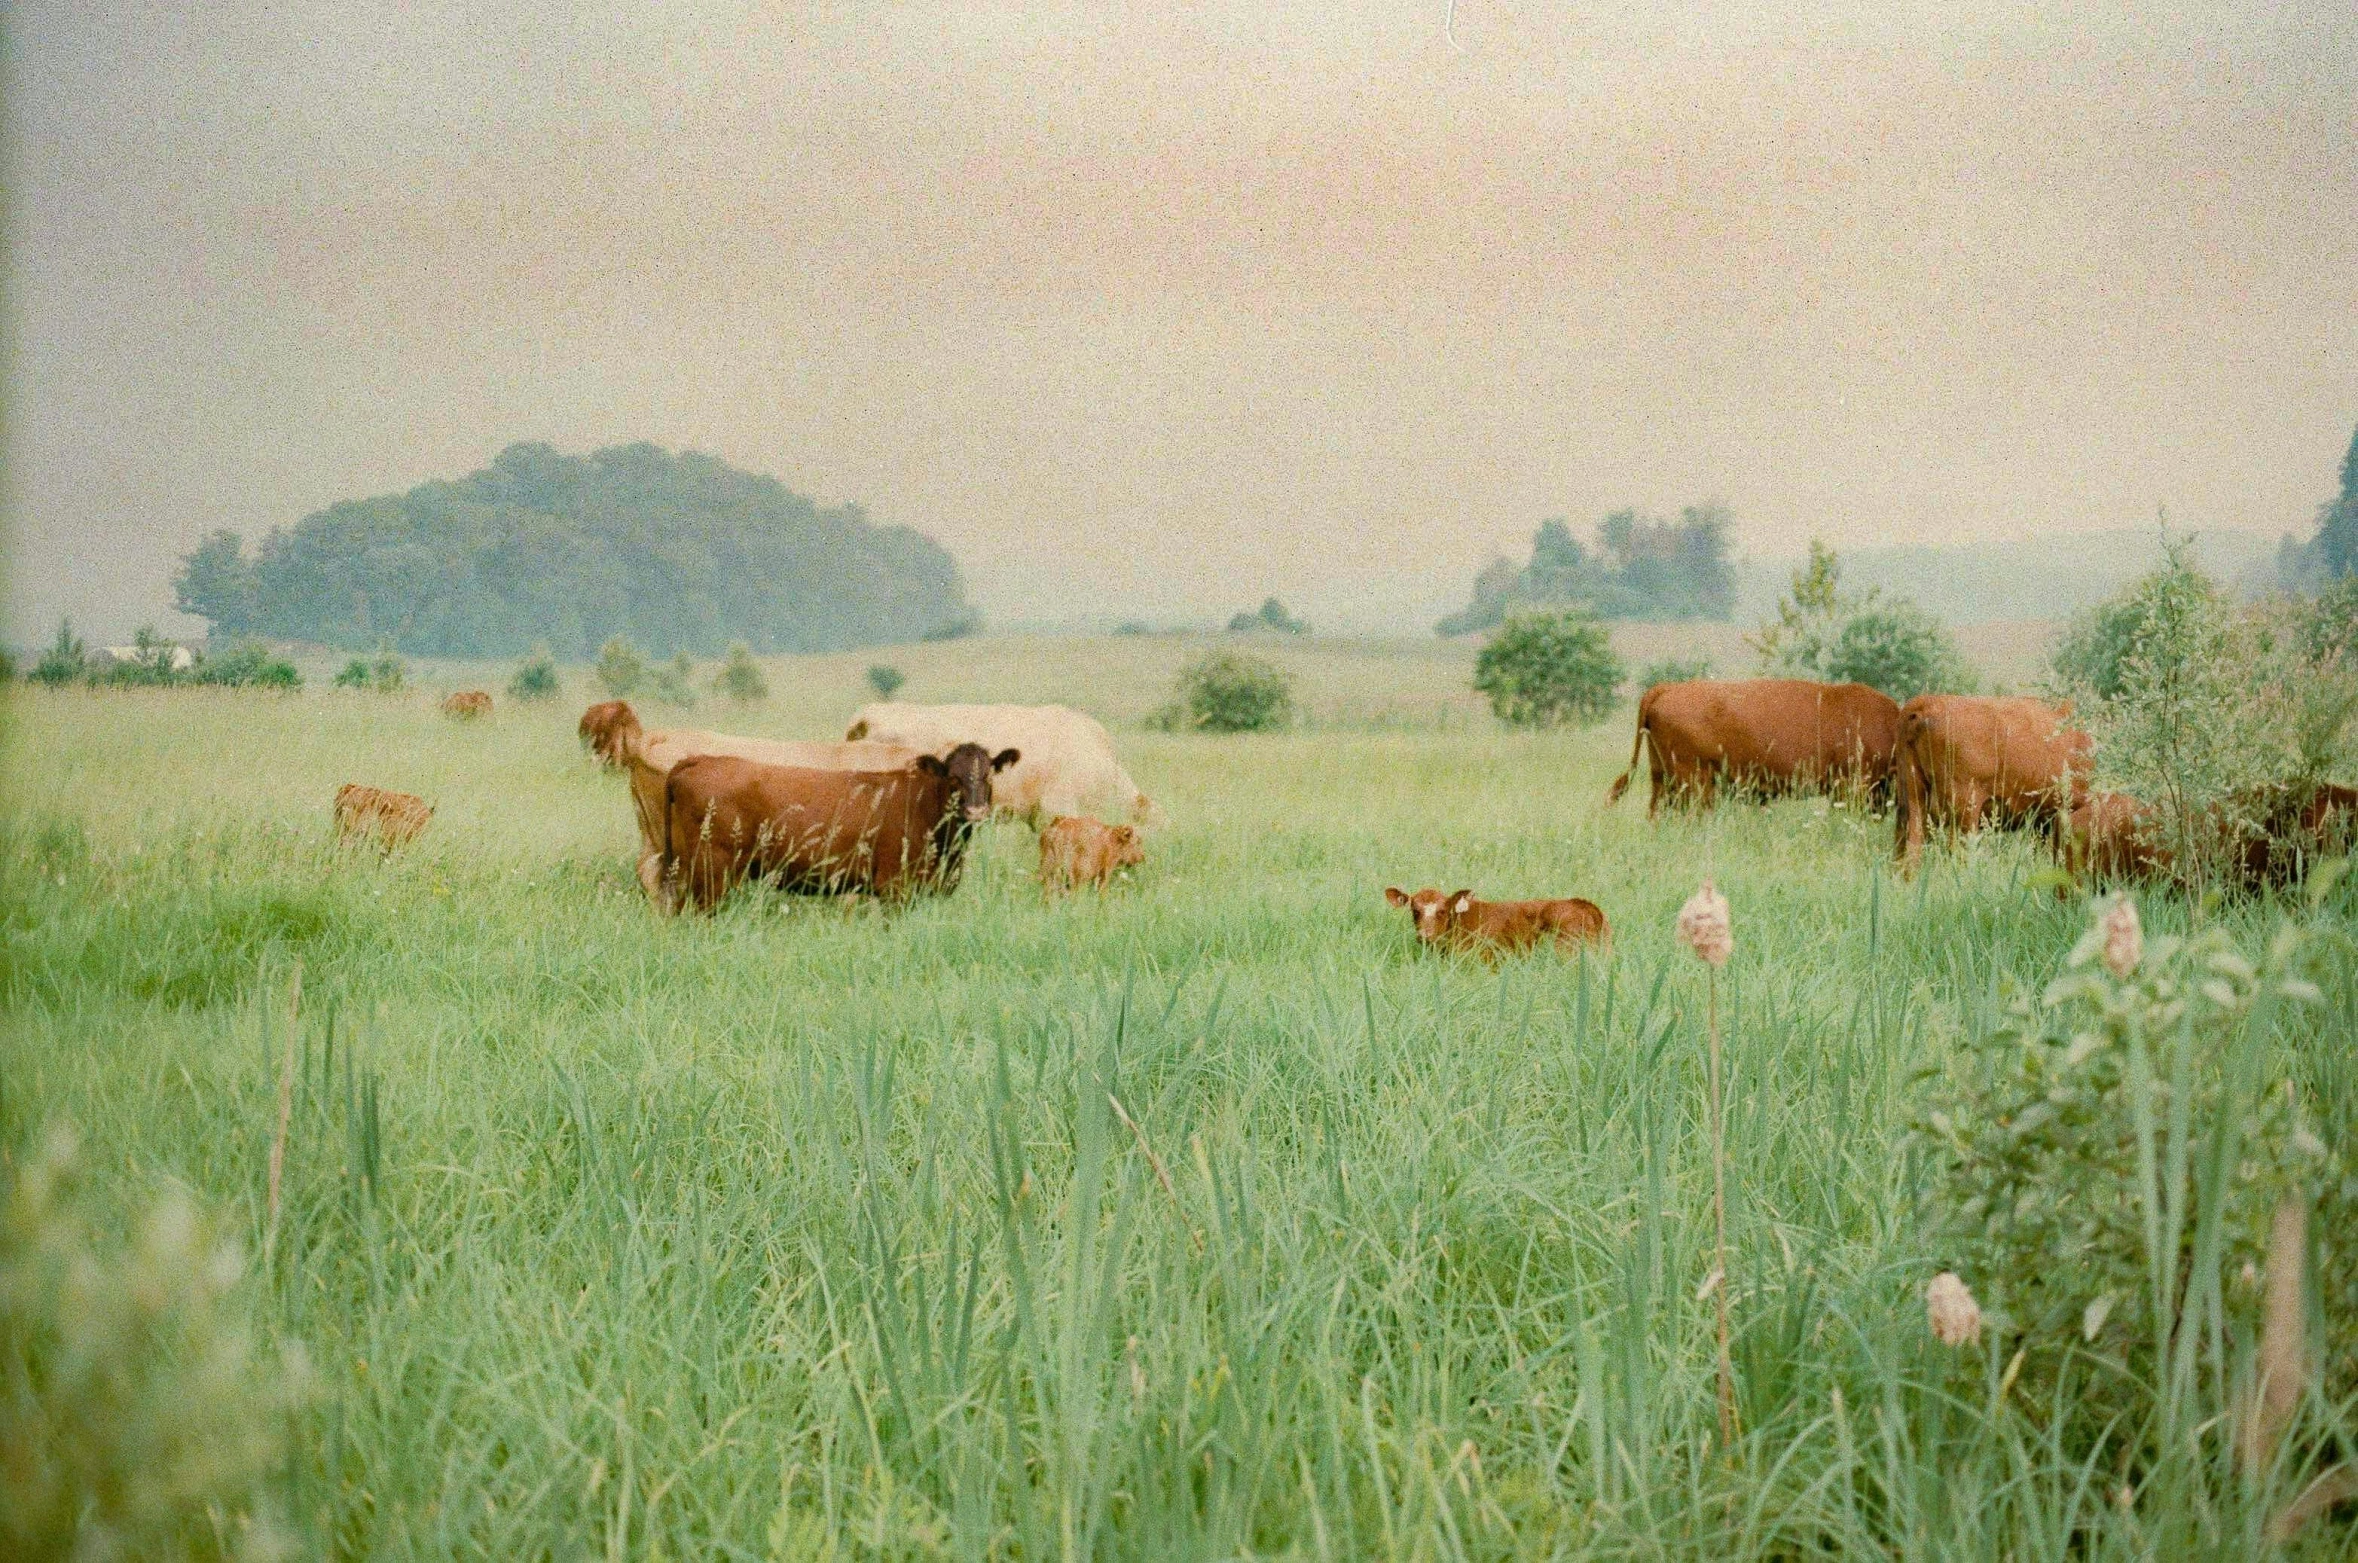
(801,1231)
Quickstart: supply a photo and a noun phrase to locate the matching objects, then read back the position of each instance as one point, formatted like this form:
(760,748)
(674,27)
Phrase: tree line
(1641,567)
(678,552)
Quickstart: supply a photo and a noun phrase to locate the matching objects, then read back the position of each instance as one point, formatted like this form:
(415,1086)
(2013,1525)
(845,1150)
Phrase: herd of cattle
(889,809)
(1955,763)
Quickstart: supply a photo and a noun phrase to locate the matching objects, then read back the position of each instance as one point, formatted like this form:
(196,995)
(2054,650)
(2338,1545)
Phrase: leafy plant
(621,671)
(536,677)
(1823,632)
(675,683)
(64,661)
(353,674)
(248,663)
(2106,1168)
(1232,692)
(1548,669)
(1271,616)
(1671,670)
(388,674)
(885,680)
(137,1417)
(740,676)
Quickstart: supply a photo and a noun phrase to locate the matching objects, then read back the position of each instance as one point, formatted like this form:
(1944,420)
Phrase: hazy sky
(1156,309)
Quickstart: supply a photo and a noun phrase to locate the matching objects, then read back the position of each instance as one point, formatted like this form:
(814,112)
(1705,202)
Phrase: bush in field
(387,673)
(151,663)
(247,664)
(621,670)
(1547,669)
(536,677)
(675,682)
(65,661)
(740,677)
(885,680)
(1671,670)
(2143,1081)
(137,1419)
(2208,709)
(1890,644)
(352,675)
(1230,692)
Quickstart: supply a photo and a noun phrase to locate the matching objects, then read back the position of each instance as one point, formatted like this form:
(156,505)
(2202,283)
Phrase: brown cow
(2298,824)
(467,705)
(610,730)
(2112,836)
(1458,922)
(890,833)
(1964,759)
(392,817)
(1767,735)
(649,757)
(1075,851)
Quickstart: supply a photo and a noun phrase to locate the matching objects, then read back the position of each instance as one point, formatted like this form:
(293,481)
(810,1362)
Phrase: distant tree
(353,675)
(536,677)
(1132,627)
(1671,670)
(64,661)
(676,682)
(388,674)
(2337,530)
(216,583)
(1231,692)
(1823,632)
(1642,567)
(621,671)
(885,681)
(248,664)
(740,677)
(1549,669)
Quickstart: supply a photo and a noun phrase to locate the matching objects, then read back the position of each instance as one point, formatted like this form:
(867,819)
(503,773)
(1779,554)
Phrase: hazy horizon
(1149,314)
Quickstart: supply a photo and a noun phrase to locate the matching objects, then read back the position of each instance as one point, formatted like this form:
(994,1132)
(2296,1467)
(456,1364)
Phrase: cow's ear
(931,765)
(1004,758)
(1395,895)
(1462,902)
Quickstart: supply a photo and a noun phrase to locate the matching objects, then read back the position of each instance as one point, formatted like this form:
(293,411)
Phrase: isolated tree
(740,677)
(1232,692)
(676,683)
(1549,669)
(65,659)
(536,677)
(216,583)
(885,680)
(621,670)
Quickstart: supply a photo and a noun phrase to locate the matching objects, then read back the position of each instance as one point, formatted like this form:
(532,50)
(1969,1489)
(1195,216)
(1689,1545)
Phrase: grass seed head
(2124,940)
(1703,926)
(1955,1316)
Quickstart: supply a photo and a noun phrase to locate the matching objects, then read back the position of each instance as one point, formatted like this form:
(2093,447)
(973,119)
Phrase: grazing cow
(1459,922)
(391,817)
(2111,836)
(1966,759)
(609,730)
(1767,735)
(2298,824)
(890,833)
(1076,851)
(467,705)
(1068,758)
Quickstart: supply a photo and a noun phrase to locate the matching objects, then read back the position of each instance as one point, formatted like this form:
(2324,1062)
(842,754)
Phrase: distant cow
(890,833)
(1967,760)
(1767,735)
(1068,758)
(1458,922)
(467,705)
(2110,836)
(608,730)
(1076,852)
(393,818)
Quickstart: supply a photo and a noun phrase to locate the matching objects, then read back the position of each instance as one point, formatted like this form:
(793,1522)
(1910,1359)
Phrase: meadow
(1202,1219)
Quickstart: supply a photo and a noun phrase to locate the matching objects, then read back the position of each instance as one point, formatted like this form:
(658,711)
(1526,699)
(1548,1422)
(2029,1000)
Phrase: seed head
(1955,1316)
(2124,941)
(1703,926)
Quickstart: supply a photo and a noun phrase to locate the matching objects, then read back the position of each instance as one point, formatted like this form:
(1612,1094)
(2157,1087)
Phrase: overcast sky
(1155,309)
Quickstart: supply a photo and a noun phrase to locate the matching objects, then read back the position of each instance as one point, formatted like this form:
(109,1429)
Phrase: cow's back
(1068,765)
(1772,728)
(809,828)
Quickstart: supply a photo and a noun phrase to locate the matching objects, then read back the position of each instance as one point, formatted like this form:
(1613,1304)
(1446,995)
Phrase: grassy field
(804,1232)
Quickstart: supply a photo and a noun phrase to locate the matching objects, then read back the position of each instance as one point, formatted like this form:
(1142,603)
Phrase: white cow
(1068,764)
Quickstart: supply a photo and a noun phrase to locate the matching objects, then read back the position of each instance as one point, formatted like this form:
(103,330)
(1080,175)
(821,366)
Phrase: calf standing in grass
(467,705)
(1076,851)
(391,817)
(1458,922)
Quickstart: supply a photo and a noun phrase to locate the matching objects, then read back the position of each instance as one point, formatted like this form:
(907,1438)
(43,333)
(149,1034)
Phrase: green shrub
(1671,670)
(2090,655)
(536,676)
(248,664)
(885,680)
(675,683)
(137,1419)
(353,675)
(1899,649)
(2107,1161)
(1231,692)
(1548,669)
(740,677)
(64,661)
(388,674)
(1271,616)
(621,670)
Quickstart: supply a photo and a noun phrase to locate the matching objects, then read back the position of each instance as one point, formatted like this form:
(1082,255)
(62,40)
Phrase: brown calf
(1458,922)
(391,817)
(467,705)
(1075,851)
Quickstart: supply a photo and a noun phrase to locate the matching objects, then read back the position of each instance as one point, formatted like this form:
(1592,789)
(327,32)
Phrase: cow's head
(1431,911)
(1128,852)
(610,730)
(969,768)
